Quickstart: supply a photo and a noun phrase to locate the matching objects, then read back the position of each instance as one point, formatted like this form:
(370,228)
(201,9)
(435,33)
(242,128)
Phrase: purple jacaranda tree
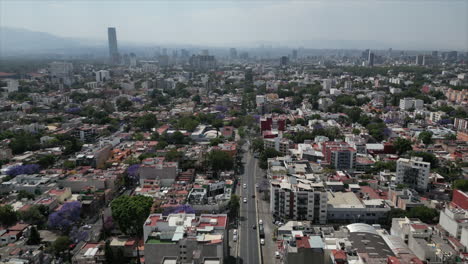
(73,110)
(137,100)
(108,223)
(220,116)
(132,172)
(77,235)
(444,122)
(256,117)
(389,121)
(64,218)
(185,208)
(23,169)
(387,132)
(221,108)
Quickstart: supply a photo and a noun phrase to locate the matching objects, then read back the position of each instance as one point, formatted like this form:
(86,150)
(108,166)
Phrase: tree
(268,153)
(174,155)
(61,244)
(35,215)
(196,98)
(233,206)
(64,218)
(257,145)
(220,160)
(402,145)
(69,164)
(46,161)
(356,131)
(461,185)
(23,169)
(108,253)
(425,214)
(123,104)
(22,194)
(425,137)
(34,237)
(130,212)
(451,136)
(146,122)
(7,215)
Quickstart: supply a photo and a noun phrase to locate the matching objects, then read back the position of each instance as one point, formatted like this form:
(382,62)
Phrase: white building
(327,84)
(102,76)
(298,199)
(411,103)
(413,172)
(454,221)
(12,85)
(434,117)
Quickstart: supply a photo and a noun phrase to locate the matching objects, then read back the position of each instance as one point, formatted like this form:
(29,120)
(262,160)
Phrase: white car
(234,238)
(245,200)
(234,232)
(262,241)
(277,254)
(260,222)
(245,185)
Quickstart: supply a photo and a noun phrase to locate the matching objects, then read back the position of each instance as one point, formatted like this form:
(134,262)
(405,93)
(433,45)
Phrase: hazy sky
(425,23)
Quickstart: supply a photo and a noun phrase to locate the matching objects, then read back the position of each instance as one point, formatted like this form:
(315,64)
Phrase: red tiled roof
(339,254)
(302,242)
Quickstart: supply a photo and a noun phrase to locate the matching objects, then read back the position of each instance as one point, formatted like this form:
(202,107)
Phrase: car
(234,238)
(245,200)
(87,227)
(277,254)
(254,226)
(234,232)
(262,241)
(253,195)
(260,222)
(72,246)
(245,185)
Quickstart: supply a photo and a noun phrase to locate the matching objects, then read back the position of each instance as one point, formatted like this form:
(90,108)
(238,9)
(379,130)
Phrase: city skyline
(373,24)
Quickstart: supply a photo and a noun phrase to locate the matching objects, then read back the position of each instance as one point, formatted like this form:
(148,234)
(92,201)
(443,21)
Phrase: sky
(426,24)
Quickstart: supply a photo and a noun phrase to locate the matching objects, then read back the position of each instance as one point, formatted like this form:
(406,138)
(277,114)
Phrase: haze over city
(310,24)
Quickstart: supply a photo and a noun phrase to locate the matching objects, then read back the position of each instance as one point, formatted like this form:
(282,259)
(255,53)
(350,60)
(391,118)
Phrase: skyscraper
(113,51)
(233,53)
(370,61)
(294,54)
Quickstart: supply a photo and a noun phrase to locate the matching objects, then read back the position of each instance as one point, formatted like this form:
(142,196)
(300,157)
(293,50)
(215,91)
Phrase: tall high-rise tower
(113,51)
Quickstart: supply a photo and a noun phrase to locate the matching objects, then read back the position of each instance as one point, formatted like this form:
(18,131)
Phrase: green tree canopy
(402,145)
(461,185)
(61,244)
(425,137)
(8,216)
(130,212)
(220,160)
(34,237)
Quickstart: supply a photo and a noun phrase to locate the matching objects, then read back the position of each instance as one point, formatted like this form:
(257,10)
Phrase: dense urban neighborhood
(179,156)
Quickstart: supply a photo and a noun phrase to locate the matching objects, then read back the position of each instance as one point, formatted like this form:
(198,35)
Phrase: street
(248,240)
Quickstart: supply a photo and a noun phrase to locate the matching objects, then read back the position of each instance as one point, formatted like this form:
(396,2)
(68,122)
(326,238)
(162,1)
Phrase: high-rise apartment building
(102,76)
(284,61)
(113,50)
(370,60)
(233,53)
(413,172)
(294,54)
(419,60)
(290,199)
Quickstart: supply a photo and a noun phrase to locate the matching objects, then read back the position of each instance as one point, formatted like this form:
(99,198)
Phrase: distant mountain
(22,41)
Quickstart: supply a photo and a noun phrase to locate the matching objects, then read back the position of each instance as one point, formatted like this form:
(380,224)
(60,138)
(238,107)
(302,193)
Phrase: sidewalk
(268,250)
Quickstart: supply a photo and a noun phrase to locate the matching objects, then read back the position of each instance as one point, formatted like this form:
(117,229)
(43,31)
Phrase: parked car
(260,222)
(234,238)
(234,231)
(262,241)
(254,227)
(245,185)
(277,254)
(245,200)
